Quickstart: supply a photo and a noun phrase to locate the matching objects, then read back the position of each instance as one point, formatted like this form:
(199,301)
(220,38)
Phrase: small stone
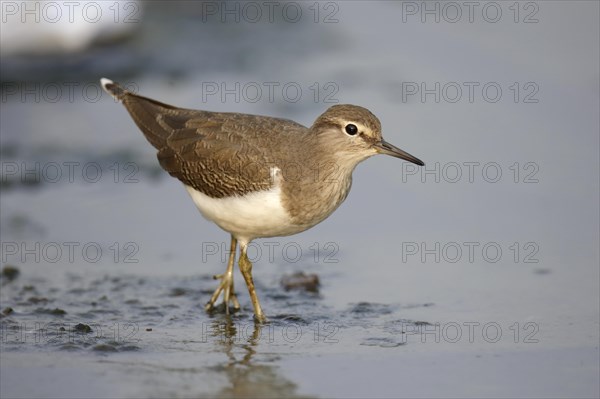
(10,272)
(35,299)
(104,348)
(301,281)
(542,271)
(177,292)
(83,328)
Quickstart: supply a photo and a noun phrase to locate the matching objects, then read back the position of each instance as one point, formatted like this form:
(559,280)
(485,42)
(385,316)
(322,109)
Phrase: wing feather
(219,154)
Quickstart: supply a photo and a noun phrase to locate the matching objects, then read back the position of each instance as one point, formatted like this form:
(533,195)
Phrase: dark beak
(383,147)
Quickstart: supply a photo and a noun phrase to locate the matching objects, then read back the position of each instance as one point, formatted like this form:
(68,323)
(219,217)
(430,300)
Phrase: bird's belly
(258,214)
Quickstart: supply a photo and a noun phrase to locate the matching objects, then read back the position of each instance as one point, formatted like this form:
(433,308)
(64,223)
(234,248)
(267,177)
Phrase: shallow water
(431,285)
(154,327)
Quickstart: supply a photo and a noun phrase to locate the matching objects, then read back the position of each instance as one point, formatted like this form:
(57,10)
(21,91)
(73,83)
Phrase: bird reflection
(250,372)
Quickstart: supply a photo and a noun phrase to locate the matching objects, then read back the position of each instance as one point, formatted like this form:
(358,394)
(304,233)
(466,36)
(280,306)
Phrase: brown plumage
(216,153)
(300,174)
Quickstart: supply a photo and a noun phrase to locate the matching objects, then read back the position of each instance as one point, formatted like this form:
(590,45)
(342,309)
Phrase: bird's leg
(246,269)
(226,284)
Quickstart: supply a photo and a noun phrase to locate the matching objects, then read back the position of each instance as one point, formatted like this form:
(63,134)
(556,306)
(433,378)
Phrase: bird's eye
(351,129)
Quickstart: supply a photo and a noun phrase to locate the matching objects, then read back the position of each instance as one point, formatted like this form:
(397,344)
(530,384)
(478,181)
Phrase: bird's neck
(324,183)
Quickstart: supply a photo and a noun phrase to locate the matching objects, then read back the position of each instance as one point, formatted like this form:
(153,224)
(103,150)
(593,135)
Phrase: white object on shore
(54,27)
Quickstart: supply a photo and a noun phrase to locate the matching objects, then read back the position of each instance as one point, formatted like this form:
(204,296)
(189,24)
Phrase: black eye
(351,129)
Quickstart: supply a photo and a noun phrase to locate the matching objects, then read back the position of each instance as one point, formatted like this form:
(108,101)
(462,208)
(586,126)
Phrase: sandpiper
(258,176)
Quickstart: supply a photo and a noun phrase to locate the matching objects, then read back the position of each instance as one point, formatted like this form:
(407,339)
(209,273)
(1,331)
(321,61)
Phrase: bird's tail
(148,114)
(112,88)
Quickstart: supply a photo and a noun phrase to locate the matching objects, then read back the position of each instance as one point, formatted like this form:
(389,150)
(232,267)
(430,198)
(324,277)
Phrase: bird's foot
(226,286)
(261,318)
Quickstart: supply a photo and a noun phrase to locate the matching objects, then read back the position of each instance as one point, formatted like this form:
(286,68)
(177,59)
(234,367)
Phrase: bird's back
(219,154)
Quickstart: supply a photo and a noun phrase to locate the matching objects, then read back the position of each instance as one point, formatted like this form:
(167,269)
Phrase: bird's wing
(219,154)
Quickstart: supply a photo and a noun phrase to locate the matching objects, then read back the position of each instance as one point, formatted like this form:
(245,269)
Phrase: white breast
(254,215)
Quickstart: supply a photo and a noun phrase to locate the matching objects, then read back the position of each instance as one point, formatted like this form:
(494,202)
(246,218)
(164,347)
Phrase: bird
(258,176)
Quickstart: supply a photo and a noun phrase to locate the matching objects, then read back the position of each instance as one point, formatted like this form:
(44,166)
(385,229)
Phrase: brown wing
(219,154)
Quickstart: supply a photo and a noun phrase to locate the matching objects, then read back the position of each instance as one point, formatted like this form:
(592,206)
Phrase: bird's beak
(383,147)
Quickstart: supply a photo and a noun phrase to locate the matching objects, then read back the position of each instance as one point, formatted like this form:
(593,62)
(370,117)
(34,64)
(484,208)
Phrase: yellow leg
(226,284)
(246,269)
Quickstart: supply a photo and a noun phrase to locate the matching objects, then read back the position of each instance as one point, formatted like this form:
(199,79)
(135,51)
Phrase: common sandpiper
(258,176)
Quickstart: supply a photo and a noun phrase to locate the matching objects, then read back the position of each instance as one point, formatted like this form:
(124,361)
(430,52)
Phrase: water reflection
(248,376)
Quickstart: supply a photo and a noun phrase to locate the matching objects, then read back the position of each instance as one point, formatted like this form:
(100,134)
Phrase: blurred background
(482,266)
